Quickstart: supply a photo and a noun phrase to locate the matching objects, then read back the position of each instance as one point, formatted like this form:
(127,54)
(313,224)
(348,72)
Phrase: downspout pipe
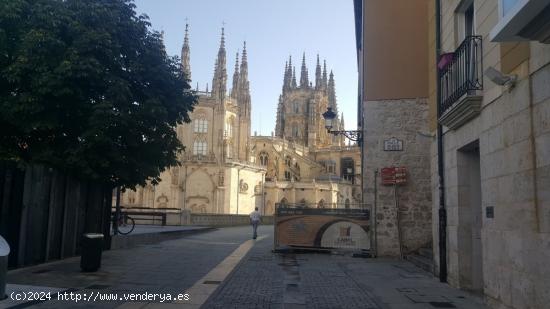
(440,152)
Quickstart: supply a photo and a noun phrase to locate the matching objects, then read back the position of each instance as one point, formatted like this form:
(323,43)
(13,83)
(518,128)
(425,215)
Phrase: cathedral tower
(299,111)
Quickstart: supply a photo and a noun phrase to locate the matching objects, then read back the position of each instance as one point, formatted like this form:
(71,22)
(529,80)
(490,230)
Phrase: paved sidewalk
(168,267)
(268,280)
(199,264)
(148,229)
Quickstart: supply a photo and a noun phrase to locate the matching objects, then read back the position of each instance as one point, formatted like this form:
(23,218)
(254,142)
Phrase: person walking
(255,219)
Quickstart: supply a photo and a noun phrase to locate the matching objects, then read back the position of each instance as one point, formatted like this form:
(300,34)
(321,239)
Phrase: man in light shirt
(255,219)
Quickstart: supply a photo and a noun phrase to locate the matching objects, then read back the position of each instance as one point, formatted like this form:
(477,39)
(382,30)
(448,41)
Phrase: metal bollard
(4,252)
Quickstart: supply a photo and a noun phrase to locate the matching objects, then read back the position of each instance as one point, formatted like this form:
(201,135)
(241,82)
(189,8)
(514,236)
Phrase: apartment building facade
(489,91)
(488,103)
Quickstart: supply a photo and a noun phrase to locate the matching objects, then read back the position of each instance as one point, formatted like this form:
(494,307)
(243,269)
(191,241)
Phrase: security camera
(500,79)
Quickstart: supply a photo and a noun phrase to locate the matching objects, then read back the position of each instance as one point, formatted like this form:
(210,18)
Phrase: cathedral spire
(293,85)
(219,82)
(324,74)
(244,88)
(331,92)
(289,72)
(289,63)
(244,83)
(235,88)
(185,55)
(286,78)
(244,63)
(318,81)
(304,80)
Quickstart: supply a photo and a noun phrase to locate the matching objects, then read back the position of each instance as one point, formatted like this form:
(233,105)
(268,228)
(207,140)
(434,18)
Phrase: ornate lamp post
(354,135)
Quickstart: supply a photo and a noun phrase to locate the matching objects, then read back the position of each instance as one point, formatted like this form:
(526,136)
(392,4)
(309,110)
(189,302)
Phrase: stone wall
(405,120)
(186,217)
(513,134)
(225,220)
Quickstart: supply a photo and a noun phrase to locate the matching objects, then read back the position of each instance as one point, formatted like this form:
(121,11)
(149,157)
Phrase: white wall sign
(393,144)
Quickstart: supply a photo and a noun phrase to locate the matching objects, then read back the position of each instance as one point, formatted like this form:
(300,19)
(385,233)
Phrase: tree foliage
(87,86)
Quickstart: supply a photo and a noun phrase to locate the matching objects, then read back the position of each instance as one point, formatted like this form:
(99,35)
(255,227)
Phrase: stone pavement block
(168,267)
(267,280)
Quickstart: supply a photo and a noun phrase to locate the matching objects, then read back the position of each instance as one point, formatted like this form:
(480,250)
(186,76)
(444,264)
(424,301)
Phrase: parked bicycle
(126,224)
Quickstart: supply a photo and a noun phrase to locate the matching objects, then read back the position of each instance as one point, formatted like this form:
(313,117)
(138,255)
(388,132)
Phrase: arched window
(283,202)
(200,147)
(303,203)
(200,125)
(263,159)
(287,175)
(330,166)
(295,131)
(296,108)
(347,203)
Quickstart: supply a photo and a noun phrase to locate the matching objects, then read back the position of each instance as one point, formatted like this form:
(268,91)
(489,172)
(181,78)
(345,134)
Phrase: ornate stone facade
(225,170)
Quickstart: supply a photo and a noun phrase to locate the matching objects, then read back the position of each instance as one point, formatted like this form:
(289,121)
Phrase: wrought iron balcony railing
(462,74)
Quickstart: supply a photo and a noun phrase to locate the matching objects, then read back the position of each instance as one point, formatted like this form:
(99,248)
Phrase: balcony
(199,158)
(461,82)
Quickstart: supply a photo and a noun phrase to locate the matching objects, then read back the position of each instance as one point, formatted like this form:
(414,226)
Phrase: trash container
(92,246)
(4,252)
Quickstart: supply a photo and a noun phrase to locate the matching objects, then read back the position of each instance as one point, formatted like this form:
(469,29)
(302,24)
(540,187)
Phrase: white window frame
(201,125)
(200,147)
(263,159)
(517,17)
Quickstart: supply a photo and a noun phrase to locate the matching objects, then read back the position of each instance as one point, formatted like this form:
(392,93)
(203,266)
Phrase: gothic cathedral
(225,170)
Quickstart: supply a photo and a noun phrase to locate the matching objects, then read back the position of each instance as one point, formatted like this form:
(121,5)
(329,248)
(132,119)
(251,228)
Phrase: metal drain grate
(212,282)
(41,271)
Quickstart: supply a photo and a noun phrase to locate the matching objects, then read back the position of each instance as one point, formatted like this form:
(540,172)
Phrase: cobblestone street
(269,280)
(260,279)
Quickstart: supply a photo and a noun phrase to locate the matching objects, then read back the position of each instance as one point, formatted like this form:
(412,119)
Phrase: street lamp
(354,135)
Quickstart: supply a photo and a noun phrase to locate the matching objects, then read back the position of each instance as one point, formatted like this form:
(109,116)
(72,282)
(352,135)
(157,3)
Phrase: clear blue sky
(273,30)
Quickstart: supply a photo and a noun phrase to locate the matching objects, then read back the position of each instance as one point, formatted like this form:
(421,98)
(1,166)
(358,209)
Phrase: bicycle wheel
(127,226)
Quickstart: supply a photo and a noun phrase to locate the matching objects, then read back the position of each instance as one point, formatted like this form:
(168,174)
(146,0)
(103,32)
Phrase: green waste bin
(92,246)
